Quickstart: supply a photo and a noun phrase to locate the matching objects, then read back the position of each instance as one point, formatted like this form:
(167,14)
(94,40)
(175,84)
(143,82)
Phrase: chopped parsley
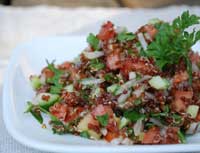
(103,120)
(85,134)
(93,41)
(181,137)
(96,64)
(55,80)
(125,36)
(173,42)
(133,115)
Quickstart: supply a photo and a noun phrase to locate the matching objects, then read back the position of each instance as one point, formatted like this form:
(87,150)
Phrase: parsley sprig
(173,42)
(55,80)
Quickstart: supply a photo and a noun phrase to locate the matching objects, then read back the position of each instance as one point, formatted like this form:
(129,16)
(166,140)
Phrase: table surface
(24,24)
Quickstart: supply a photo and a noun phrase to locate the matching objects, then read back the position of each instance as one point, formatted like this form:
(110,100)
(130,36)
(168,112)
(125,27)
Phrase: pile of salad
(126,87)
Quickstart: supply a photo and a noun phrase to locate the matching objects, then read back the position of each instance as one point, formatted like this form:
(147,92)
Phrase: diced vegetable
(35,111)
(123,122)
(142,41)
(93,55)
(193,110)
(113,88)
(138,127)
(159,83)
(35,82)
(91,81)
(122,98)
(69,88)
(83,126)
(132,75)
(45,100)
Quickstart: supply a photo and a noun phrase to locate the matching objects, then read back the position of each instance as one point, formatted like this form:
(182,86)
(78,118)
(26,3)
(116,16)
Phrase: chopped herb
(35,111)
(55,80)
(181,137)
(130,52)
(96,64)
(138,76)
(177,119)
(180,42)
(85,134)
(124,36)
(103,120)
(93,41)
(137,102)
(133,115)
(110,77)
(58,127)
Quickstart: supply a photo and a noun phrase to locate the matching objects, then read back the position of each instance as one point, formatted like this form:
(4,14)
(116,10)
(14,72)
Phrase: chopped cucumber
(35,82)
(69,88)
(159,83)
(123,122)
(193,110)
(83,126)
(51,100)
(113,88)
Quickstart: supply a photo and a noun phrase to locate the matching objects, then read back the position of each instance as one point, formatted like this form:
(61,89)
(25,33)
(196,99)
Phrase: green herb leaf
(180,42)
(103,120)
(93,41)
(96,64)
(35,111)
(137,102)
(133,115)
(85,134)
(124,36)
(55,80)
(181,137)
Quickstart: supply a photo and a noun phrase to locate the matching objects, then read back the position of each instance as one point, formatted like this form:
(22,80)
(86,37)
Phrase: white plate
(29,59)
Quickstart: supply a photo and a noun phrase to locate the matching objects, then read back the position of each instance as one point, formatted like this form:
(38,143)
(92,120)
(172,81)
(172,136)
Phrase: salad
(126,87)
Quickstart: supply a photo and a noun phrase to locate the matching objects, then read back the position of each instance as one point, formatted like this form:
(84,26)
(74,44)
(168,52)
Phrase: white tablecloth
(22,24)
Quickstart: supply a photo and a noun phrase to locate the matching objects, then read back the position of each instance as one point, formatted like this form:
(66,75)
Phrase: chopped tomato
(68,66)
(113,61)
(151,30)
(112,126)
(47,73)
(152,136)
(180,77)
(102,110)
(179,103)
(60,110)
(73,115)
(110,136)
(139,65)
(185,94)
(94,124)
(198,117)
(171,136)
(107,31)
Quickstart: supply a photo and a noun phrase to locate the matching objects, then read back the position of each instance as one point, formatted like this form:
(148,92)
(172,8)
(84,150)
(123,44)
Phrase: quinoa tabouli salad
(126,87)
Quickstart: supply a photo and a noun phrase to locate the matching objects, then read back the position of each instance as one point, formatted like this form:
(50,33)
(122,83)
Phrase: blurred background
(101,3)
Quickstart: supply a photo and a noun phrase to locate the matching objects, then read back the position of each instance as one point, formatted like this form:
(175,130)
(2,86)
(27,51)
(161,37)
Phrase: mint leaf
(93,41)
(103,120)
